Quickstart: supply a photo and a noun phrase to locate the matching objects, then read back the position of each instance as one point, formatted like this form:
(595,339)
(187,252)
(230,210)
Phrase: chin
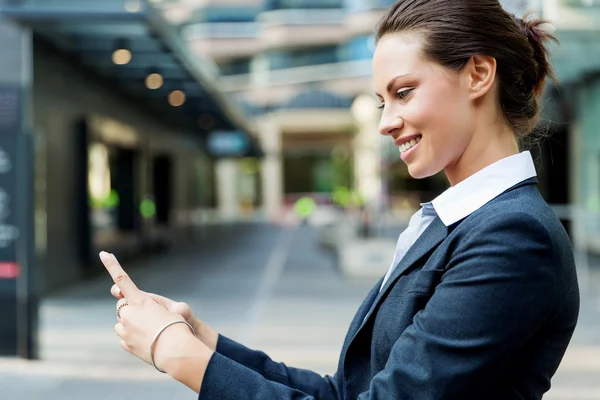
(419,172)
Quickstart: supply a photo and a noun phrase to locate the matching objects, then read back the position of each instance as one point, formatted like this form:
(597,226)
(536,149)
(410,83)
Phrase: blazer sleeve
(236,372)
(496,292)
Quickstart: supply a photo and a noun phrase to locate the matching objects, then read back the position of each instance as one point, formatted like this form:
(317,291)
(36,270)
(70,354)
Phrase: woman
(481,299)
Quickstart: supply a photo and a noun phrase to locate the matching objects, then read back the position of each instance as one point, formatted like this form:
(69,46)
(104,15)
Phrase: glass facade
(357,48)
(290,58)
(236,66)
(228,14)
(302,4)
(365,5)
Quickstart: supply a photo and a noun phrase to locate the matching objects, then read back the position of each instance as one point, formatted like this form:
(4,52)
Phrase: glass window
(229,14)
(296,4)
(279,59)
(358,48)
(234,67)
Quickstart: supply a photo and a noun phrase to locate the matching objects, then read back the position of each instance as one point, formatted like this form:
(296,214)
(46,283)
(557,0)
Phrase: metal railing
(303,17)
(298,75)
(220,30)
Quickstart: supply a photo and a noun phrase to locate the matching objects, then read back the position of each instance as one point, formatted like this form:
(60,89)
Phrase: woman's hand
(140,318)
(203,332)
(176,352)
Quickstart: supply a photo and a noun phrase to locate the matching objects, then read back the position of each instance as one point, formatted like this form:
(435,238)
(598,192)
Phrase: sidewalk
(269,287)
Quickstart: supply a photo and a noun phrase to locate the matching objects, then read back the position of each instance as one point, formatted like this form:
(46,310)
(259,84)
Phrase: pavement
(270,287)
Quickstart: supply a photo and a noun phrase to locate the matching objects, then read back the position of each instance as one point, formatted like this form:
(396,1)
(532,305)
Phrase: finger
(116,292)
(121,302)
(121,305)
(120,330)
(121,279)
(124,346)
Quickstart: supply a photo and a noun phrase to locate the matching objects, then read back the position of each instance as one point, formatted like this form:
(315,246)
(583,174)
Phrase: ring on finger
(119,309)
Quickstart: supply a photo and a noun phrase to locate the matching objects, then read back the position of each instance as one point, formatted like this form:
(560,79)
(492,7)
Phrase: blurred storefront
(572,113)
(299,67)
(121,116)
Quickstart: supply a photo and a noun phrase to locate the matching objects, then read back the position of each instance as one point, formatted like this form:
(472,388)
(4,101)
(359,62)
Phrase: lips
(407,142)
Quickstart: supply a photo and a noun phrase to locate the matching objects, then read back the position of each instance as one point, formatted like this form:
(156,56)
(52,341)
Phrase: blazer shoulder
(524,203)
(524,213)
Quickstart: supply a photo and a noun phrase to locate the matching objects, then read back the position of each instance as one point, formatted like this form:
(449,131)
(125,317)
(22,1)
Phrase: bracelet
(159,333)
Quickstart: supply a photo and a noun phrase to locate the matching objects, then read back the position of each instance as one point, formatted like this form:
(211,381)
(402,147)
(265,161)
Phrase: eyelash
(401,95)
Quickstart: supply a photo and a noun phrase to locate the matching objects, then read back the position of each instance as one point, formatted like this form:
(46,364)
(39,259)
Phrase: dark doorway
(162,170)
(124,182)
(82,196)
(554,171)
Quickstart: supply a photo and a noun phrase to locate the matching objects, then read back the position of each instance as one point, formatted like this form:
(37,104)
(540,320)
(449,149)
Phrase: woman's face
(426,107)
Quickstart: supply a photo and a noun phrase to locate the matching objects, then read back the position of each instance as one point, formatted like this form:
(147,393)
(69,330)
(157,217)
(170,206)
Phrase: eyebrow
(392,82)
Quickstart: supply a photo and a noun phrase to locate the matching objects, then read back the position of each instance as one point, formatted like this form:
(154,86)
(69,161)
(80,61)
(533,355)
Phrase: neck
(484,149)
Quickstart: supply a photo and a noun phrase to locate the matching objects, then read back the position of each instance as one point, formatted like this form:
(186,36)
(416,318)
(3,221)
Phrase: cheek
(442,119)
(444,116)
(431,106)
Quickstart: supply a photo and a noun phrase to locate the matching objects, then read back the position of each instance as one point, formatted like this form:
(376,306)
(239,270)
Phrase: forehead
(398,53)
(404,49)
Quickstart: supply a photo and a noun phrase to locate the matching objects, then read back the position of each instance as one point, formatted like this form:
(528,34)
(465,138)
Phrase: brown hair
(456,30)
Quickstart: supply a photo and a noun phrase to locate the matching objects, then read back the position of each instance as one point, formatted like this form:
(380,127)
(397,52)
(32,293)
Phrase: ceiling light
(121,57)
(122,54)
(176,98)
(154,81)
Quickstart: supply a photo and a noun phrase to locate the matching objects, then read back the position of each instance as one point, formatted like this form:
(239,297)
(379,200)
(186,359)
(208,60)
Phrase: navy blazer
(482,309)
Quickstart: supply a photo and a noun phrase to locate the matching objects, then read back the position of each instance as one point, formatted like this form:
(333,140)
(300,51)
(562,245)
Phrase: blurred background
(192,138)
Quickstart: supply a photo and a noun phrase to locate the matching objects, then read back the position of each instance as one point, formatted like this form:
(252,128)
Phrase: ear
(481,75)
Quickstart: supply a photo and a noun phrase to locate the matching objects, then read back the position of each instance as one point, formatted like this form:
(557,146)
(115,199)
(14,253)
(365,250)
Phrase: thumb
(173,306)
(163,301)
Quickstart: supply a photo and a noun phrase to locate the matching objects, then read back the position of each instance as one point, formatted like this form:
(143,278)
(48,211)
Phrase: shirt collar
(466,197)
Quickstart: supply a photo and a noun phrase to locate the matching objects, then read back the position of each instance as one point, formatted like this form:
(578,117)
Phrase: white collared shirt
(466,197)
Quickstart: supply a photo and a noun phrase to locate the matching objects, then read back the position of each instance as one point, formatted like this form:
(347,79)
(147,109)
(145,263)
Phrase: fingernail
(104,256)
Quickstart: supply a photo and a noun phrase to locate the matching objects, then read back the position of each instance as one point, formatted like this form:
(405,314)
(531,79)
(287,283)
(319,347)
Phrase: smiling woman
(481,297)
(490,78)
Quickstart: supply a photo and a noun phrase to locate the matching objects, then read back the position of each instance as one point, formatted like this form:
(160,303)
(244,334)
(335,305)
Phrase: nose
(389,124)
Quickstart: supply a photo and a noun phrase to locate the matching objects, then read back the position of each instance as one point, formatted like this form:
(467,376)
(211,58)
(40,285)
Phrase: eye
(403,94)
(381,106)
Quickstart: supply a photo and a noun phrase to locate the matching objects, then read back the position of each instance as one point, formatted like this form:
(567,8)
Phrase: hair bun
(538,37)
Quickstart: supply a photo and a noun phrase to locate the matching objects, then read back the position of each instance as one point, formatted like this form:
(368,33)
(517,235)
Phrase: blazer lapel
(358,319)
(364,309)
(429,239)
(435,233)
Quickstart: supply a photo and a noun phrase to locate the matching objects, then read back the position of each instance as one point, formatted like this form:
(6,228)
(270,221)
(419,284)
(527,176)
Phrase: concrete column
(18,299)
(272,168)
(227,194)
(367,150)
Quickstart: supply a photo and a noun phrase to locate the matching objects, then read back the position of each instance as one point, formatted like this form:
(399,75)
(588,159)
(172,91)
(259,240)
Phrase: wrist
(186,359)
(170,345)
(206,334)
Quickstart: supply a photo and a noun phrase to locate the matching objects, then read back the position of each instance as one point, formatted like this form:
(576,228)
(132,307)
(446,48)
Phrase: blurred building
(124,127)
(572,111)
(302,71)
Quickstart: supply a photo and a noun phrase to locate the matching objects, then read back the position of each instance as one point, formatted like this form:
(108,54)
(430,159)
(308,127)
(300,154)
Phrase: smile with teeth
(407,145)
